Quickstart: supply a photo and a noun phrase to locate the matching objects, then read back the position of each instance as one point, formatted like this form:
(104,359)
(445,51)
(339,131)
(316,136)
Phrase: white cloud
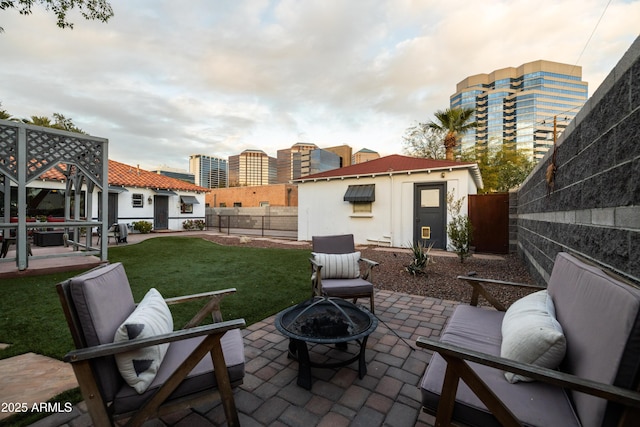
(164,80)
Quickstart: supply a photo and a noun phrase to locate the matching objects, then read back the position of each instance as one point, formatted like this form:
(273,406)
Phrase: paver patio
(388,395)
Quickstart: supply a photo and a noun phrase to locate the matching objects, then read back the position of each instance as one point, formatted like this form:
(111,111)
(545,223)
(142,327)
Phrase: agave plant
(421,258)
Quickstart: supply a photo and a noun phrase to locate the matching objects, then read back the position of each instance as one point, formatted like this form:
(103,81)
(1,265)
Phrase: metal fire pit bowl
(324,320)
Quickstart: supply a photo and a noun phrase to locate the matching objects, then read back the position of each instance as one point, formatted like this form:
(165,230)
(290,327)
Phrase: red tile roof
(121,174)
(389,164)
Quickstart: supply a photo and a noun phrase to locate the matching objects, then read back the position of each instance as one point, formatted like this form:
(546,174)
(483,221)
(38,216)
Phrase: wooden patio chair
(336,269)
(99,303)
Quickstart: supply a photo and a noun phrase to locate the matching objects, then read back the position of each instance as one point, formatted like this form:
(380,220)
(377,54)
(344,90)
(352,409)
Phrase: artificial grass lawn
(267,281)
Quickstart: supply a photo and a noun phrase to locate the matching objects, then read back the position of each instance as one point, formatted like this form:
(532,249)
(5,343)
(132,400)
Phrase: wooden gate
(489,215)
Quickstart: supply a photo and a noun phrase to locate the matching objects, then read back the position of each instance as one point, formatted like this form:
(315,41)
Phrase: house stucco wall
(128,214)
(594,207)
(322,210)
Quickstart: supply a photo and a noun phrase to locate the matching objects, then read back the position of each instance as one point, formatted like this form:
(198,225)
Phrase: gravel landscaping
(441,278)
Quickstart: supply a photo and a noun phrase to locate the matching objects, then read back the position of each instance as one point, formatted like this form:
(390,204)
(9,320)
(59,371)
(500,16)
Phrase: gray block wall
(593,209)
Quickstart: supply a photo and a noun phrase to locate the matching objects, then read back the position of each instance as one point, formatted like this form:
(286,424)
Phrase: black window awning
(165,193)
(189,200)
(113,189)
(360,193)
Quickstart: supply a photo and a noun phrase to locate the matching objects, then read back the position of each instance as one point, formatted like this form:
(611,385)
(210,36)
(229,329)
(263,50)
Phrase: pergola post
(21,233)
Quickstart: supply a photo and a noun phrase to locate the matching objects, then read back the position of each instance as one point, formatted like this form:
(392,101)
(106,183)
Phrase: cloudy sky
(165,79)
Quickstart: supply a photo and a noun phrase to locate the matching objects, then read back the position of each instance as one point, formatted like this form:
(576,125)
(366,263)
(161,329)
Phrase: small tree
(459,229)
(502,167)
(423,141)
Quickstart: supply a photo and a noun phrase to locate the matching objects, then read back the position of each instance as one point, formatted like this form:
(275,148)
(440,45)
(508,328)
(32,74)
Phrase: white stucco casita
(135,195)
(392,200)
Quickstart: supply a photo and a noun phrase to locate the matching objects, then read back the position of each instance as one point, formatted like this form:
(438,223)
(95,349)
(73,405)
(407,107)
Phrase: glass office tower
(518,106)
(209,172)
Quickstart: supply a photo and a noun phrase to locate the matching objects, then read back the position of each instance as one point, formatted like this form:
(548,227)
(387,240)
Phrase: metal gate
(489,215)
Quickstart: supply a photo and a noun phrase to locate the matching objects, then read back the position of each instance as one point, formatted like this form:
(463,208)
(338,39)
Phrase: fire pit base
(325,321)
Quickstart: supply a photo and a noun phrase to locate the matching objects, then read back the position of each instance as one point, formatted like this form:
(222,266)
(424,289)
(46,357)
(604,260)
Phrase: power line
(590,36)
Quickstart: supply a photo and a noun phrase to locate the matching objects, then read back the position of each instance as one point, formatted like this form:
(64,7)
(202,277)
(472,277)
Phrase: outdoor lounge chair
(198,360)
(336,272)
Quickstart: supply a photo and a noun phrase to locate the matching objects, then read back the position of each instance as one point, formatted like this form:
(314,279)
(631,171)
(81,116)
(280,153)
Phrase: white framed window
(137,200)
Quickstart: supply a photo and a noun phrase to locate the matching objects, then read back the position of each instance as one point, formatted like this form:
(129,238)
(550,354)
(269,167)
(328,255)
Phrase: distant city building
(289,161)
(175,173)
(345,153)
(518,106)
(209,172)
(364,155)
(319,160)
(252,167)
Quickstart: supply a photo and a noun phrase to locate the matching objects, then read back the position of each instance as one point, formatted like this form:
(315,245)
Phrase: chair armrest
(315,264)
(196,297)
(368,273)
(478,283)
(315,269)
(369,262)
(606,391)
(124,346)
(211,308)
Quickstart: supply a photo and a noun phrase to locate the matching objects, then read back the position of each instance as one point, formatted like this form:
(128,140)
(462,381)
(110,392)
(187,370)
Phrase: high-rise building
(319,160)
(175,173)
(518,106)
(209,172)
(290,161)
(252,167)
(364,155)
(345,153)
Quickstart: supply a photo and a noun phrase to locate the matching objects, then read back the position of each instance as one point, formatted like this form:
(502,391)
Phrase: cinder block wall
(594,207)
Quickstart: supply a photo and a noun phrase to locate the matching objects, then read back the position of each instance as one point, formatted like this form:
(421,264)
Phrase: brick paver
(387,395)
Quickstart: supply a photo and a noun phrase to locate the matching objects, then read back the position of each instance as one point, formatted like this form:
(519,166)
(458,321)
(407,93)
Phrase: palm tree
(454,122)
(4,115)
(38,121)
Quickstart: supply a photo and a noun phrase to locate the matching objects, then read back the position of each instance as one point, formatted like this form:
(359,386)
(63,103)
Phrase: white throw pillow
(152,317)
(531,334)
(338,266)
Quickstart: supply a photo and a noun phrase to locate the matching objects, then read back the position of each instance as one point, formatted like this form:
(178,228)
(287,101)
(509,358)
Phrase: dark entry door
(430,214)
(161,213)
(112,212)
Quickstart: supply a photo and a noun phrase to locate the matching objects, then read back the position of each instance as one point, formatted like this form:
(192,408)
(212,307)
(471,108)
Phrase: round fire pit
(324,320)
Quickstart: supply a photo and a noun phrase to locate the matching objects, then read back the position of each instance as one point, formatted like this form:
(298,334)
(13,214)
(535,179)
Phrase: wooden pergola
(26,152)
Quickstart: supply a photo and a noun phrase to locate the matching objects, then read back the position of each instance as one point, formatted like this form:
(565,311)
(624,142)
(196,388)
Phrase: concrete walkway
(388,395)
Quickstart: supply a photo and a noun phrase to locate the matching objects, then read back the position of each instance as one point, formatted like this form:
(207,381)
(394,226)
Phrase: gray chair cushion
(600,319)
(479,329)
(200,379)
(103,300)
(346,287)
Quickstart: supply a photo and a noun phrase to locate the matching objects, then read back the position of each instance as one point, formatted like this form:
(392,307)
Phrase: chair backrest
(338,244)
(95,305)
(600,317)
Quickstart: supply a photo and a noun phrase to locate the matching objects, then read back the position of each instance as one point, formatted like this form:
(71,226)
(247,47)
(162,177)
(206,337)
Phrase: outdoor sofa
(594,336)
